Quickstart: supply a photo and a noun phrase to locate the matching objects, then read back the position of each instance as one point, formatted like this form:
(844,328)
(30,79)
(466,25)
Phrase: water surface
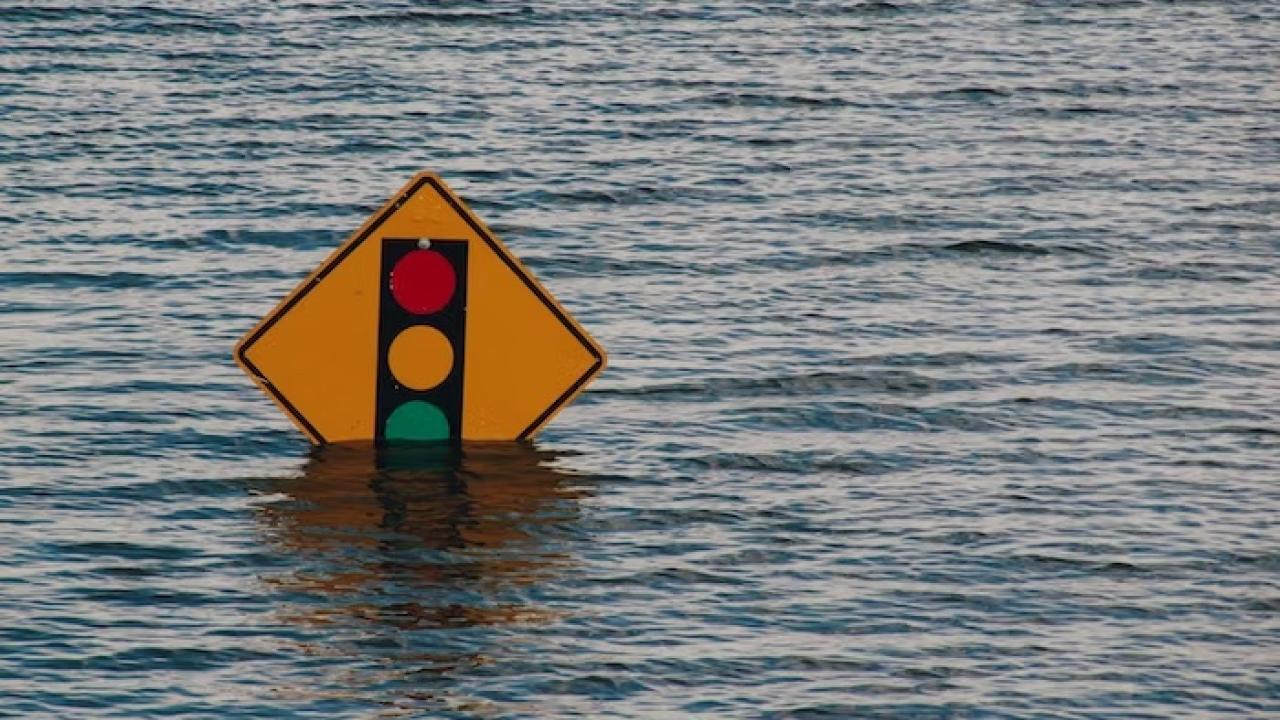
(944,368)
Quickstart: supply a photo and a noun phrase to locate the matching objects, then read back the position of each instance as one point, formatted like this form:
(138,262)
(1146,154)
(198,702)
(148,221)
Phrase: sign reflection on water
(379,543)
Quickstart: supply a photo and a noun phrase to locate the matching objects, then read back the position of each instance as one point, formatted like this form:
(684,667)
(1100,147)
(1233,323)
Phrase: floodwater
(944,341)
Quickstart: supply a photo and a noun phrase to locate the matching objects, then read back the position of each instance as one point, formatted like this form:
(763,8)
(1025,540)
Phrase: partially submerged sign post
(422,326)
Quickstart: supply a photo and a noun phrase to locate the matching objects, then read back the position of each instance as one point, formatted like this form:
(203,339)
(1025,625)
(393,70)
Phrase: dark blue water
(945,361)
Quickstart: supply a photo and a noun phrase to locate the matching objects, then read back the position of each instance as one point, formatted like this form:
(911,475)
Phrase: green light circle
(417,420)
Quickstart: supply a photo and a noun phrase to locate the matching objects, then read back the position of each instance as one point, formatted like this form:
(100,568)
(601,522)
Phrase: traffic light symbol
(421,333)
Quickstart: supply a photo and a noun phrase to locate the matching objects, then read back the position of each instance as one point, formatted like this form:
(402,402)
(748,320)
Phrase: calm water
(945,361)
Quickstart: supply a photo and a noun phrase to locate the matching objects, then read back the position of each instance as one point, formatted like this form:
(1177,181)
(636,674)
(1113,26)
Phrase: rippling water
(945,360)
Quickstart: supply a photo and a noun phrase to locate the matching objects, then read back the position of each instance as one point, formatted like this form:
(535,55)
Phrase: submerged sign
(422,326)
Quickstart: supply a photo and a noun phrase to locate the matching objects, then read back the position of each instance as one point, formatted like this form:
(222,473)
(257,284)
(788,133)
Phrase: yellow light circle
(420,357)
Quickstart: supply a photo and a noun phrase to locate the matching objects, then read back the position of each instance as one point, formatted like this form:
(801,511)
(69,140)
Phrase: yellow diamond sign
(422,326)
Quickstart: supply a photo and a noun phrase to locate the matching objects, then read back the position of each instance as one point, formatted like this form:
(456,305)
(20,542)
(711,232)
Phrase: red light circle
(423,282)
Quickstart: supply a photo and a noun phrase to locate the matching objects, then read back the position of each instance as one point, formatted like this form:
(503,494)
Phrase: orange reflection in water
(384,543)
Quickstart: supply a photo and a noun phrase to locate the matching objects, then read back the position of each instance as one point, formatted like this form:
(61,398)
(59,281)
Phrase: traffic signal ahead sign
(421,326)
